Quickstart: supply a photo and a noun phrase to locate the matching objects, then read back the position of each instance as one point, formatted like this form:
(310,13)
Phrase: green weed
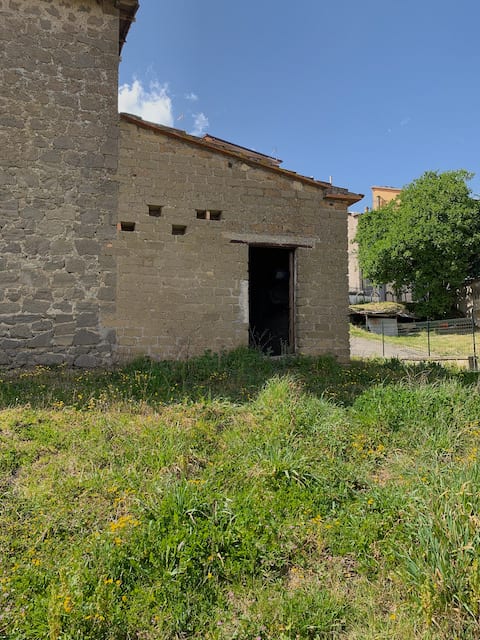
(313,501)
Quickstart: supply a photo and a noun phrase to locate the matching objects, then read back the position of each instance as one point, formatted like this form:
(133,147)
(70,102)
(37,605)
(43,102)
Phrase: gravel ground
(365,348)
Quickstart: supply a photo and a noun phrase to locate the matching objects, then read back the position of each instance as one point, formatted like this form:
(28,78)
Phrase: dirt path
(365,348)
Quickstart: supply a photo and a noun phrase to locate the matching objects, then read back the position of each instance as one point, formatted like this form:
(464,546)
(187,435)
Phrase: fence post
(428,336)
(474,345)
(383,340)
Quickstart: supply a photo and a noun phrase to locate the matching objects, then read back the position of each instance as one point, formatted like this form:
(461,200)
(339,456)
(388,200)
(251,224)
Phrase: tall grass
(312,502)
(237,376)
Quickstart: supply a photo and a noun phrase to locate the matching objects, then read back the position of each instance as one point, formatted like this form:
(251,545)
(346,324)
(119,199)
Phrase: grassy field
(440,345)
(237,497)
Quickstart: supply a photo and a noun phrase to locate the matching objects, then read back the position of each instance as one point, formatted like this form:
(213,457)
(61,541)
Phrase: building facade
(126,238)
(361,289)
(218,247)
(58,207)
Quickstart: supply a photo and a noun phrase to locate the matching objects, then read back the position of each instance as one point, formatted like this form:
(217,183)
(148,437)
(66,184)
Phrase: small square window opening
(127,226)
(178,229)
(154,210)
(209,214)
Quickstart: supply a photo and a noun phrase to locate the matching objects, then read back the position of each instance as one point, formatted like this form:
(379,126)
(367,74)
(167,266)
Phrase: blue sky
(371,93)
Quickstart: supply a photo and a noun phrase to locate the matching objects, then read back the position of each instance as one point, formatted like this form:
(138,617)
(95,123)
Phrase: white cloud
(153,104)
(200,124)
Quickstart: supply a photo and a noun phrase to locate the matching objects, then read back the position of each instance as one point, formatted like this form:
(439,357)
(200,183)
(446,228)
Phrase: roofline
(127,10)
(387,188)
(331,192)
(208,137)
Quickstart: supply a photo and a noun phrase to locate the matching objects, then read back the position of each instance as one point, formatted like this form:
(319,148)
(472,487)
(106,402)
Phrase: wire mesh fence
(448,339)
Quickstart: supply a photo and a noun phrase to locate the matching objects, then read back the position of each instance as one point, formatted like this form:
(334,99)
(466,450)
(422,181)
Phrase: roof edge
(127,11)
(331,192)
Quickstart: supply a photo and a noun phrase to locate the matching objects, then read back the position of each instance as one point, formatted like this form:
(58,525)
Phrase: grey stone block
(36,306)
(21,331)
(87,320)
(50,359)
(42,325)
(85,337)
(86,362)
(41,340)
(87,247)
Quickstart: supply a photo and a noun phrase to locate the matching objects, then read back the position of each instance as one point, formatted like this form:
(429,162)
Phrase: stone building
(58,198)
(219,245)
(165,244)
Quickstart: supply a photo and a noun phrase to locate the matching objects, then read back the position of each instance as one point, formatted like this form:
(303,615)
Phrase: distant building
(361,289)
(383,195)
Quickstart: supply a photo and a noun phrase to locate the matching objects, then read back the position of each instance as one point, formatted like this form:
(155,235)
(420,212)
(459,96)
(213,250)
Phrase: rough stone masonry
(58,199)
(78,284)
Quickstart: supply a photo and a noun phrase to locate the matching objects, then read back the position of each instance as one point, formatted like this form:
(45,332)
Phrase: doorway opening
(271,299)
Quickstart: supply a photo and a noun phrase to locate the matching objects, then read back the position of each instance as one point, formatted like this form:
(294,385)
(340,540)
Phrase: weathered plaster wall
(58,136)
(178,295)
(355,281)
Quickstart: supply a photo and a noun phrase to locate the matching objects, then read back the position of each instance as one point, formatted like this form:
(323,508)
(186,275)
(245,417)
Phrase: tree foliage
(427,239)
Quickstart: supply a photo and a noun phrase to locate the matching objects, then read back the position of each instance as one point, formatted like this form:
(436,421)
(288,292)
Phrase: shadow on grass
(236,376)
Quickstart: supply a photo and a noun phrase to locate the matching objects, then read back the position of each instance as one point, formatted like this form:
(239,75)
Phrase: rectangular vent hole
(209,214)
(127,226)
(154,210)
(178,229)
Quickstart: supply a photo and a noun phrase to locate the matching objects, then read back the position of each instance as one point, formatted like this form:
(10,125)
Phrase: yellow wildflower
(67,604)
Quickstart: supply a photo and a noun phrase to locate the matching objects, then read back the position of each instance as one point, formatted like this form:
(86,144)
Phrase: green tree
(427,239)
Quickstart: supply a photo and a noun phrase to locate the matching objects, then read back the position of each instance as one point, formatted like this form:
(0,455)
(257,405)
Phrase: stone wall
(58,136)
(178,295)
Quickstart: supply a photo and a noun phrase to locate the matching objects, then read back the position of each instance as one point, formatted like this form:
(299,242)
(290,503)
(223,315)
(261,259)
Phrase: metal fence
(450,339)
(459,326)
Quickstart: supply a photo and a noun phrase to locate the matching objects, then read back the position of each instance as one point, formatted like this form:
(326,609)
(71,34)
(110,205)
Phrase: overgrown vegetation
(426,240)
(236,497)
(373,308)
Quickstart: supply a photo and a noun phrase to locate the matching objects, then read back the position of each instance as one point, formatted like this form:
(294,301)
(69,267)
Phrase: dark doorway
(271,304)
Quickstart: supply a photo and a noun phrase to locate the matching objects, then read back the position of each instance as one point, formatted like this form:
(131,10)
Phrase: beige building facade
(383,195)
(121,238)
(210,235)
(361,289)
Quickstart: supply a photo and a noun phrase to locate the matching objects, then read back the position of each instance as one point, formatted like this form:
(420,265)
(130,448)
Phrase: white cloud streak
(200,124)
(153,104)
